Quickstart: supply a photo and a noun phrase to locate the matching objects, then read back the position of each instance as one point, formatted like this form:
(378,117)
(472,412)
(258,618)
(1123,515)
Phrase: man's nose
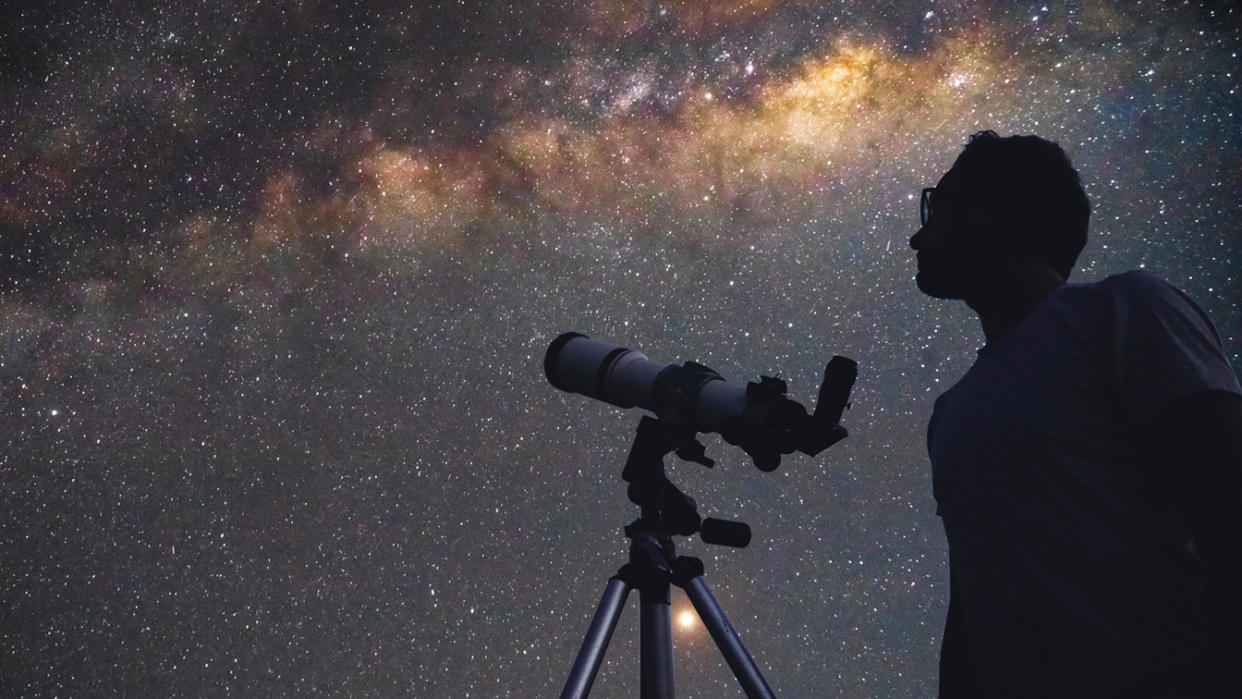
(916,240)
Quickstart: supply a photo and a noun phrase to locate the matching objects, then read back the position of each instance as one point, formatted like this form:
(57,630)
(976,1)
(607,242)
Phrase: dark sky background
(277,278)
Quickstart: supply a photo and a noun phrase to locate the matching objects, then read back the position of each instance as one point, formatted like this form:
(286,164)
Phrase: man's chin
(935,288)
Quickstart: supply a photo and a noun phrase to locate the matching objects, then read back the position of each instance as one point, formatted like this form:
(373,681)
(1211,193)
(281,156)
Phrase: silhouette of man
(1087,468)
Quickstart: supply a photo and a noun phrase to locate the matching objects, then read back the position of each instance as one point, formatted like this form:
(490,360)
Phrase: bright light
(686,619)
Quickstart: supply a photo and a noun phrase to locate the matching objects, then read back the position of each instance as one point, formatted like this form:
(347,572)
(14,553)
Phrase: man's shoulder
(1134,278)
(1138,289)
(1135,281)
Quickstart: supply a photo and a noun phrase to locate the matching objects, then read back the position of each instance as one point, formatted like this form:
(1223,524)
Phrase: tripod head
(666,510)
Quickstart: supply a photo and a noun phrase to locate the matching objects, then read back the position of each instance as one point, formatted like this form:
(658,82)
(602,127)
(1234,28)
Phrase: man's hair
(1038,191)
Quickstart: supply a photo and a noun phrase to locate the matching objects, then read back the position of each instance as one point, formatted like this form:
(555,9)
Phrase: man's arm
(957,677)
(1200,437)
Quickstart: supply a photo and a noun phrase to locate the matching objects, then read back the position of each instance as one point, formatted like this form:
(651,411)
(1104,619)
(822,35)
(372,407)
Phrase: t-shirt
(1071,574)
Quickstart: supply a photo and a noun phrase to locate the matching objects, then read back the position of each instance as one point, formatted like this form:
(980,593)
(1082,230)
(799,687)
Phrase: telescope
(686,399)
(758,417)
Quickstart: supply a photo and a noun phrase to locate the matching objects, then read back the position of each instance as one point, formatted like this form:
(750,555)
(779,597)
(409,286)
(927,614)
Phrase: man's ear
(1004,232)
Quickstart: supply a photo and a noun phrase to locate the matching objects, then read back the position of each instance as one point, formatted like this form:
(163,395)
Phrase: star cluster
(277,278)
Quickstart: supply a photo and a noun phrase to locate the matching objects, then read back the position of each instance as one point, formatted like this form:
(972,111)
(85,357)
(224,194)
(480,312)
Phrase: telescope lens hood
(553,355)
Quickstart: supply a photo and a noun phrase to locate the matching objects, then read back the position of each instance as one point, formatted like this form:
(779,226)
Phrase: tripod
(653,565)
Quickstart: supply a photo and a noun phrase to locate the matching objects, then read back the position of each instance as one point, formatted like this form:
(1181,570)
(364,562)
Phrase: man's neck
(1004,304)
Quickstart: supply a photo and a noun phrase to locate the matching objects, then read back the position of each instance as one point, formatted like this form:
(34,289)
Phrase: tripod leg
(726,638)
(586,665)
(655,640)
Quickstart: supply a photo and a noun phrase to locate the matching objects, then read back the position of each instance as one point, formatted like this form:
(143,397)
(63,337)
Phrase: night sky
(276,281)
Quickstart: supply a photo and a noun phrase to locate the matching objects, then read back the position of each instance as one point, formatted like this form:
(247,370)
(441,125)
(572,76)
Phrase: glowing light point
(686,619)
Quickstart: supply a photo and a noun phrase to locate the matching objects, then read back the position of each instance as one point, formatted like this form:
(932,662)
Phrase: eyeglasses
(925,206)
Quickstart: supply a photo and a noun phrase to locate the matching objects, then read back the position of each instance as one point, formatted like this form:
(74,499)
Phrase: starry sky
(277,278)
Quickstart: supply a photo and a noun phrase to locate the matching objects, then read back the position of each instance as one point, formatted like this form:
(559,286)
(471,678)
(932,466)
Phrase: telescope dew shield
(690,394)
(599,370)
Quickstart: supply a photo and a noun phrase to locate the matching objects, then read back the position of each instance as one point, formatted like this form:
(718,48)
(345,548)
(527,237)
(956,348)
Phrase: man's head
(1005,203)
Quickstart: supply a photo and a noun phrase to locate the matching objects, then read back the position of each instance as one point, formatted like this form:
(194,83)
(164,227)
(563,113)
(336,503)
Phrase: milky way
(277,279)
